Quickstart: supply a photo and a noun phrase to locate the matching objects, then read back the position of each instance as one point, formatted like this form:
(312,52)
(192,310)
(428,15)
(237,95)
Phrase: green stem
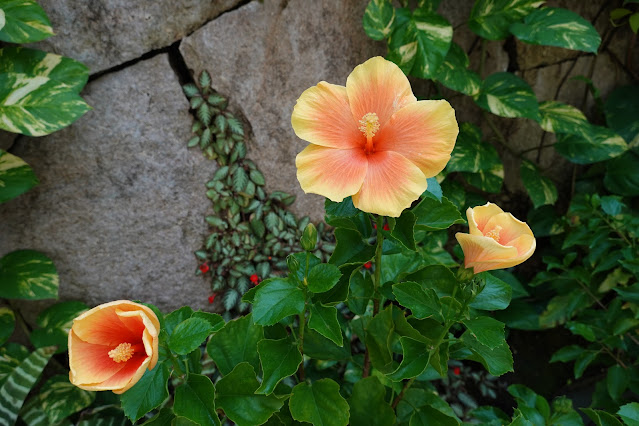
(378,263)
(302,320)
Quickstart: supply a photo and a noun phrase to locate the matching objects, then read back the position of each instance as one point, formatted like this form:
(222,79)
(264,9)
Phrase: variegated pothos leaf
(470,153)
(28,274)
(33,99)
(454,73)
(378,19)
(540,188)
(506,95)
(17,386)
(596,143)
(2,19)
(552,26)
(491,19)
(557,117)
(16,177)
(25,22)
(419,42)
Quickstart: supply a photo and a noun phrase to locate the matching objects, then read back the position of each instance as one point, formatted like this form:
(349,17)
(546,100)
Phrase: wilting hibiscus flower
(497,240)
(112,345)
(372,139)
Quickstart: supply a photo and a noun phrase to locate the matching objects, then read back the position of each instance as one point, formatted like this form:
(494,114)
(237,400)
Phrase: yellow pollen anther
(123,352)
(494,234)
(369,124)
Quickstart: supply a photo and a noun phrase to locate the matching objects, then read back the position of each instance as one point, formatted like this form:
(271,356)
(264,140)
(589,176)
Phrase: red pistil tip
(204,268)
(368,265)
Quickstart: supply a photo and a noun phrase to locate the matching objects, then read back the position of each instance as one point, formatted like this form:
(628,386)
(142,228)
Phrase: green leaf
(506,95)
(257,177)
(617,381)
(368,406)
(404,230)
(280,359)
(497,360)
(148,393)
(593,145)
(433,215)
(350,248)
(19,383)
(496,294)
(601,418)
(319,347)
(619,108)
(240,179)
(454,73)
(379,333)
(323,277)
(420,44)
(28,274)
(189,335)
(109,415)
(25,22)
(235,343)
(215,320)
(488,331)
(487,180)
(235,126)
(236,396)
(195,400)
(276,299)
(629,413)
(491,19)
(552,26)
(622,175)
(55,401)
(471,154)
(541,189)
(176,317)
(16,177)
(7,324)
(583,361)
(557,117)
(33,101)
(378,19)
(415,359)
(56,321)
(323,319)
(361,290)
(319,403)
(421,300)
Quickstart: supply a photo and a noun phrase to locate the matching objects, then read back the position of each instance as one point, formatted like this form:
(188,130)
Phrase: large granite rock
(264,55)
(121,204)
(106,33)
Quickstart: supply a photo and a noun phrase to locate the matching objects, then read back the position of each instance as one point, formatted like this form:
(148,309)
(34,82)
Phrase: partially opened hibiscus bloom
(372,139)
(497,240)
(111,345)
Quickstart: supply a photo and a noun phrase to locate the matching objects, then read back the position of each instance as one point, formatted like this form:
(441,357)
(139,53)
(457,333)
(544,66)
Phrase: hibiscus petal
(479,216)
(333,173)
(392,183)
(140,323)
(323,117)
(424,132)
(525,245)
(378,86)
(511,227)
(484,253)
(101,325)
(124,379)
(90,363)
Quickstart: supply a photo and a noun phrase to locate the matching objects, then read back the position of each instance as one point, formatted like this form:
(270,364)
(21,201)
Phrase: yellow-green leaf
(25,22)
(16,177)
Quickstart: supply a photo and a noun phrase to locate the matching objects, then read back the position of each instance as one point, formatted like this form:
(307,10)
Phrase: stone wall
(121,204)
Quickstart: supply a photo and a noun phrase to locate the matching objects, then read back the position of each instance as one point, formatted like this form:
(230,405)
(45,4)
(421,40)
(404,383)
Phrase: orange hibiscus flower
(111,345)
(372,139)
(497,240)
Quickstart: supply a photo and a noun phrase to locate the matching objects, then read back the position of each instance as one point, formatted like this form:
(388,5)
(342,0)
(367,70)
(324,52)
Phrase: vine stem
(379,221)
(175,362)
(302,320)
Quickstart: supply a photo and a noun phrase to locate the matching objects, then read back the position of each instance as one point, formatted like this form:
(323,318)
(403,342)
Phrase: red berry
(386,228)
(456,371)
(212,297)
(255,279)
(269,258)
(374,226)
(368,265)
(204,268)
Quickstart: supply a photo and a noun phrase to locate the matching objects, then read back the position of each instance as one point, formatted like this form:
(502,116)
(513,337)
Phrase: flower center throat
(122,352)
(369,125)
